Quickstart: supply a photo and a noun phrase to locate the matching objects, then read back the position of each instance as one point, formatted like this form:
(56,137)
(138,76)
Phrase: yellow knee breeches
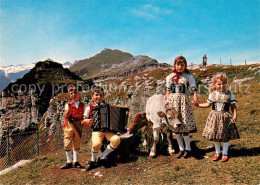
(97,138)
(71,138)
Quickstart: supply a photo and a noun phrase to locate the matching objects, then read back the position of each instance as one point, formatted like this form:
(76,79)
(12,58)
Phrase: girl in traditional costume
(220,125)
(178,84)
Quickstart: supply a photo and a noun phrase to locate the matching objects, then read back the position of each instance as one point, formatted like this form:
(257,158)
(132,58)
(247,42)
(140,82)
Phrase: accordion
(110,118)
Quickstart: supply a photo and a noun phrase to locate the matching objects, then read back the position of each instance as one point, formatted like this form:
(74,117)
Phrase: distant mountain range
(107,63)
(11,73)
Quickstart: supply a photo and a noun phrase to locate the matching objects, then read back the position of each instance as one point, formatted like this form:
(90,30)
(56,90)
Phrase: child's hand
(233,120)
(87,122)
(91,122)
(166,104)
(195,103)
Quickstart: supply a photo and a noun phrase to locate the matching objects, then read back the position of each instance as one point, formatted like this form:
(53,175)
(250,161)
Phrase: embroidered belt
(220,106)
(178,88)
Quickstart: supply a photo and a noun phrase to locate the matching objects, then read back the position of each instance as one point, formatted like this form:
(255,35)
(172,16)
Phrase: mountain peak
(46,72)
(48,65)
(49,59)
(91,66)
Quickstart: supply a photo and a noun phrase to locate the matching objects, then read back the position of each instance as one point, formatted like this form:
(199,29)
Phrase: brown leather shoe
(181,153)
(67,166)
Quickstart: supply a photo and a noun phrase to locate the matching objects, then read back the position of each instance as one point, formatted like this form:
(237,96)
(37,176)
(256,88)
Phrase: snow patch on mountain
(26,68)
(67,64)
(11,73)
(15,69)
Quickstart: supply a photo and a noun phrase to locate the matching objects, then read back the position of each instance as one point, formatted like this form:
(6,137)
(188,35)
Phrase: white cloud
(151,12)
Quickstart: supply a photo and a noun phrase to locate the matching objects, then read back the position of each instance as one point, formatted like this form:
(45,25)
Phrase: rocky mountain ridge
(112,64)
(25,101)
(11,73)
(89,67)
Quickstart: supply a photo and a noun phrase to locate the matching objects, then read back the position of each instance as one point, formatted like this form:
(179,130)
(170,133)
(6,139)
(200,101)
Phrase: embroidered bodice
(221,101)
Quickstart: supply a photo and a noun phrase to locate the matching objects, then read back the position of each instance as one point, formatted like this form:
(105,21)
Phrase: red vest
(75,112)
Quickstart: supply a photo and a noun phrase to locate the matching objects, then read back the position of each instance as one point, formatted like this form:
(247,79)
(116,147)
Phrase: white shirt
(87,110)
(76,103)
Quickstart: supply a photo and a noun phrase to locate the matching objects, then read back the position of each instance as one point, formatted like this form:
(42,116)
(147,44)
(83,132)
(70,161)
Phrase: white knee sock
(217,147)
(94,156)
(180,141)
(69,156)
(108,150)
(75,156)
(187,142)
(225,148)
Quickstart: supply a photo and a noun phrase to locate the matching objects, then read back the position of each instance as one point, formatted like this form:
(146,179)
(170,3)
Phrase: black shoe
(91,165)
(180,154)
(77,165)
(67,166)
(103,162)
(187,154)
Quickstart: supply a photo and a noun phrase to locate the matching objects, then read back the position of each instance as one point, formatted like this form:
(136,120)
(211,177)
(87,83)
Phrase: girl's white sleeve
(209,100)
(192,83)
(232,98)
(168,83)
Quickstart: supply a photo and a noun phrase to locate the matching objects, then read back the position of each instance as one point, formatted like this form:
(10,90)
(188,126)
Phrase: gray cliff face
(54,114)
(17,113)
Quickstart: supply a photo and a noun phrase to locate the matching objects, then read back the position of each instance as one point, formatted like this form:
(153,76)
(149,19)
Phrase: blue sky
(69,30)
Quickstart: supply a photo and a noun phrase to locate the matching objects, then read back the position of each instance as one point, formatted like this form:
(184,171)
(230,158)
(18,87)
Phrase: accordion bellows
(110,118)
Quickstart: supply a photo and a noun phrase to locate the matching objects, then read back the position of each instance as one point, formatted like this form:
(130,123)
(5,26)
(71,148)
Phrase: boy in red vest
(74,110)
(97,134)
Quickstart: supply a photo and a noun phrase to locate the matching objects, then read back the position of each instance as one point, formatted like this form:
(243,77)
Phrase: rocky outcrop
(55,112)
(18,113)
(25,101)
(128,67)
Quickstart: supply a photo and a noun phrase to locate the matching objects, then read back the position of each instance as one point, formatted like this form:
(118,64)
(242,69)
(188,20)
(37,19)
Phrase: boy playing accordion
(98,134)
